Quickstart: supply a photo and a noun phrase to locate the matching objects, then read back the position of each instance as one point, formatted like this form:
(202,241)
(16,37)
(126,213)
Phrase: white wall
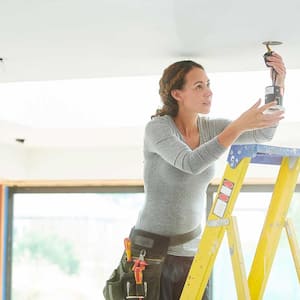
(86,163)
(13,162)
(109,161)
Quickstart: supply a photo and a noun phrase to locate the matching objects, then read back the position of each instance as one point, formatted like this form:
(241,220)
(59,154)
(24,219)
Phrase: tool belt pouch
(149,250)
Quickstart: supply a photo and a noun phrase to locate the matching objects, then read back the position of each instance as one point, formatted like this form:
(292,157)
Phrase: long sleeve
(163,139)
(253,136)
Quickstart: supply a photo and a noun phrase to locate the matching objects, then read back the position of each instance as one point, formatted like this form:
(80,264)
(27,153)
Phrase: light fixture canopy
(271,43)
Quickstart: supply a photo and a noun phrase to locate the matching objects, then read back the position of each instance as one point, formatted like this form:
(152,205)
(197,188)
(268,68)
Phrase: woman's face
(196,95)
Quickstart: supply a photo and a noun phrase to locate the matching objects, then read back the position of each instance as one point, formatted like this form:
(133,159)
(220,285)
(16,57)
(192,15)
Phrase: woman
(180,149)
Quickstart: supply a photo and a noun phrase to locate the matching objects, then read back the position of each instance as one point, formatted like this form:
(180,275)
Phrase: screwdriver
(138,276)
(127,244)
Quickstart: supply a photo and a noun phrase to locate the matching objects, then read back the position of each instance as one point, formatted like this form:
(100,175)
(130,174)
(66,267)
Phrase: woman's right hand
(257,117)
(254,118)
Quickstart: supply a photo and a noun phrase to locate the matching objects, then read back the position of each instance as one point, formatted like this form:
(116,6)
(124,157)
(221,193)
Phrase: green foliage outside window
(50,247)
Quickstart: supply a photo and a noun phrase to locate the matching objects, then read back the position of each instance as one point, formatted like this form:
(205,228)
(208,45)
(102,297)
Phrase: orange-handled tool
(138,275)
(127,244)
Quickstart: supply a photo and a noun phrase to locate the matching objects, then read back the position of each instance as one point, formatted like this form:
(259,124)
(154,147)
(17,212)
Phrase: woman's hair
(173,78)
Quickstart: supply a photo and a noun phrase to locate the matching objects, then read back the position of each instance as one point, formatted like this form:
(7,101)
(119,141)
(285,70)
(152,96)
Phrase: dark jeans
(173,277)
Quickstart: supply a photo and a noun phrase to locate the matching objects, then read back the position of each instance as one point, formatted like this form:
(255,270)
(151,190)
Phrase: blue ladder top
(260,154)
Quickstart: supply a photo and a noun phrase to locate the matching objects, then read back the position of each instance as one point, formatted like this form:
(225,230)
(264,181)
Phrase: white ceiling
(64,39)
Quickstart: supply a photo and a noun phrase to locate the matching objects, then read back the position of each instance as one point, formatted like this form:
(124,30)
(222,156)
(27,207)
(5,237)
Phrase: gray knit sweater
(176,177)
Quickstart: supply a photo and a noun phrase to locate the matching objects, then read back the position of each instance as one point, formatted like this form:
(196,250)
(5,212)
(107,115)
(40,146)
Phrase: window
(65,245)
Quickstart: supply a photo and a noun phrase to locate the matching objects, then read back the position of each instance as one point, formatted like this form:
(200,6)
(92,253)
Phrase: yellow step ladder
(220,220)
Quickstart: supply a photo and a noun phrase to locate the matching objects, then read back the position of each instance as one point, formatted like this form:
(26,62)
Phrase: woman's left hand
(275,61)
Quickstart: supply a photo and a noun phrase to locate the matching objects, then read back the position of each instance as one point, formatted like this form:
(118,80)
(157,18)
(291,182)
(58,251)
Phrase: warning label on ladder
(223,198)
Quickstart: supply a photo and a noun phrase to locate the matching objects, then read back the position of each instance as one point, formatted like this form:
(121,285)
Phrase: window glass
(66,245)
(250,210)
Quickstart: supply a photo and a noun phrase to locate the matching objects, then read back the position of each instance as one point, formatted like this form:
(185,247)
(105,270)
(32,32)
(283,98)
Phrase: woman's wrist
(229,135)
(279,82)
